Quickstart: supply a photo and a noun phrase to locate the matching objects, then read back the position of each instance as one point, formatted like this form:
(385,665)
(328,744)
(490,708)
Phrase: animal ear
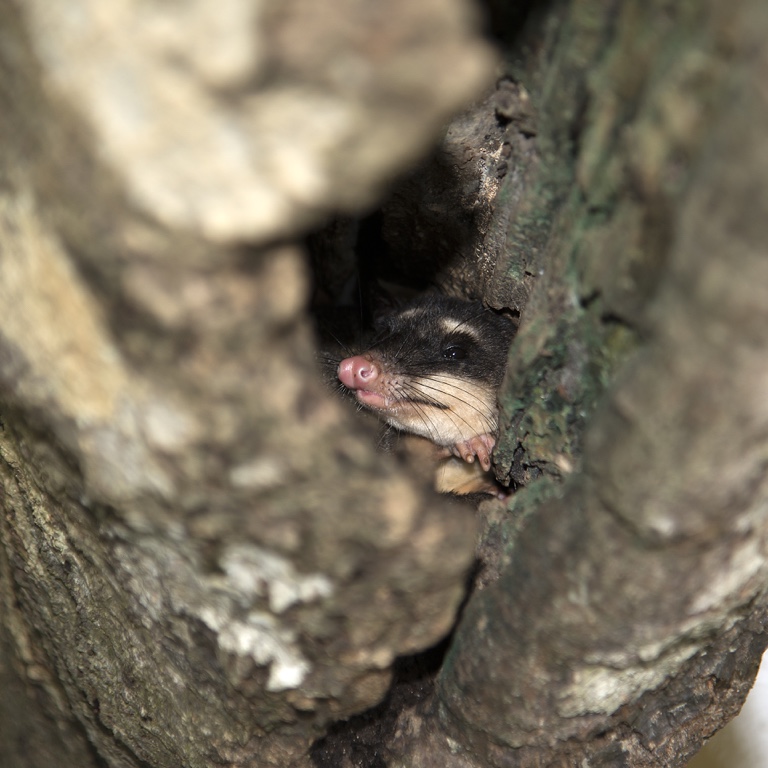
(507,322)
(386,298)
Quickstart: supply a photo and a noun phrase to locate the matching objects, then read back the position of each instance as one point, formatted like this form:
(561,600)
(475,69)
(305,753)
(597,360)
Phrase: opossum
(433,370)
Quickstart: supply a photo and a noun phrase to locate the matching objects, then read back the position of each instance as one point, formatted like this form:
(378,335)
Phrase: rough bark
(204,561)
(660,240)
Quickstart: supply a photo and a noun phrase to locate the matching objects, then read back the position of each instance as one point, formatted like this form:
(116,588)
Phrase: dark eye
(454,352)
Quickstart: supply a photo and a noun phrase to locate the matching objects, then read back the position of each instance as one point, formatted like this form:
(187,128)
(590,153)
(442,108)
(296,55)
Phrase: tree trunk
(204,559)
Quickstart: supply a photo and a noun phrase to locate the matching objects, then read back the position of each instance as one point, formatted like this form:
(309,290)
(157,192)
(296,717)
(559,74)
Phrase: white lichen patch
(603,689)
(255,572)
(264,640)
(165,580)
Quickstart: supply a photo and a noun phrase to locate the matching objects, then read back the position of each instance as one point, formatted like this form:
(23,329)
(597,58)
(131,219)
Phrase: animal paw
(480,446)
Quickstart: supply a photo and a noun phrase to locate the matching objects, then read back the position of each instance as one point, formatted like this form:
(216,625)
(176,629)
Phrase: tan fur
(471,410)
(447,473)
(450,325)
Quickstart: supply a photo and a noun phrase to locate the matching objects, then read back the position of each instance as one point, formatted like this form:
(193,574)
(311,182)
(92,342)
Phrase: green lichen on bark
(622,97)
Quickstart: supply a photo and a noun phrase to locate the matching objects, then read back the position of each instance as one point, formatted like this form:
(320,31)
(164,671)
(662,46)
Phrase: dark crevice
(358,741)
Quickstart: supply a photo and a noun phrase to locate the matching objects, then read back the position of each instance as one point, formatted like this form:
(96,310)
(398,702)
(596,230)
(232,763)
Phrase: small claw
(466,452)
(484,457)
(480,446)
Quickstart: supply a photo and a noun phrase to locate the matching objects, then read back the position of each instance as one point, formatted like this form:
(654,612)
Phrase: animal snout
(358,372)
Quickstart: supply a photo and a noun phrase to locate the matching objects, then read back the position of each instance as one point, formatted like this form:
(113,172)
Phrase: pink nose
(358,372)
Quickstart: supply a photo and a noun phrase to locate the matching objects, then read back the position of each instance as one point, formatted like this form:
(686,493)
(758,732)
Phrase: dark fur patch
(416,340)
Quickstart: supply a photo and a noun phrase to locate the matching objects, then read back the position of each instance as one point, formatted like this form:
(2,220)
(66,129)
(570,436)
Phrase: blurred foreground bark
(204,561)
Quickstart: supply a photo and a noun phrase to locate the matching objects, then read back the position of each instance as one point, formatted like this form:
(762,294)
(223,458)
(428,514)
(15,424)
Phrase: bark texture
(204,561)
